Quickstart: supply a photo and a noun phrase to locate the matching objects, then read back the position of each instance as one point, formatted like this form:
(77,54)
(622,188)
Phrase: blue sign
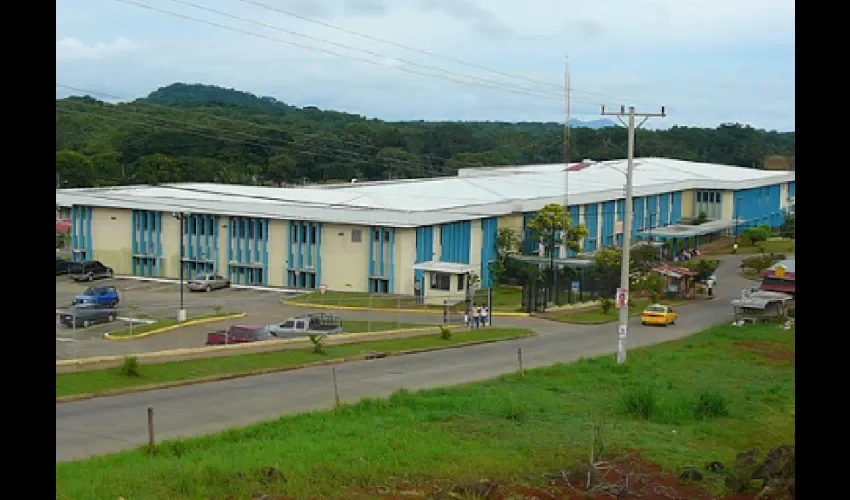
(575,286)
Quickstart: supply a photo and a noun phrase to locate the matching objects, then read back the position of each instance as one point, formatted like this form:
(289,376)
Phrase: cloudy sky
(709,62)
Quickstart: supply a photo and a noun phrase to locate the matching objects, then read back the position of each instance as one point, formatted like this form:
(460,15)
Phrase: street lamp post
(181,218)
(553,281)
(735,245)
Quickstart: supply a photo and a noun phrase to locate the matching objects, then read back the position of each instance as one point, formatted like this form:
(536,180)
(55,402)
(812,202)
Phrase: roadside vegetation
(136,374)
(692,403)
(165,323)
(505,299)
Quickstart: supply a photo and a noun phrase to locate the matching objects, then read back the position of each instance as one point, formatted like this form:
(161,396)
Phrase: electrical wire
(330,52)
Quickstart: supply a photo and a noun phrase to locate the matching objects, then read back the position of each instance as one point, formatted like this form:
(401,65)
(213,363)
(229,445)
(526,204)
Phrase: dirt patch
(628,477)
(770,350)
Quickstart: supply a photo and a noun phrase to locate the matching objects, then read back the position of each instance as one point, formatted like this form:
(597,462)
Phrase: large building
(406,236)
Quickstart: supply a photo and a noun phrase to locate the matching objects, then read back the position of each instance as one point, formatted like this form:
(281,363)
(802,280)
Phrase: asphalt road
(104,425)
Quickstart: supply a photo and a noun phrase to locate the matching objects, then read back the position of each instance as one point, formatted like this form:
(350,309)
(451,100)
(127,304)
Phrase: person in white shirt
(466,319)
(485,313)
(475,316)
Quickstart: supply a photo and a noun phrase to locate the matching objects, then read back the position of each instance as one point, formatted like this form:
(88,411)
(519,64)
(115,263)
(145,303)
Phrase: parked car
(239,334)
(207,283)
(308,324)
(89,270)
(85,315)
(62,266)
(102,295)
(658,314)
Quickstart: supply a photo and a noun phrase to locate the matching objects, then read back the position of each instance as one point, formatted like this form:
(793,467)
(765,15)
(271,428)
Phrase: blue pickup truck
(102,295)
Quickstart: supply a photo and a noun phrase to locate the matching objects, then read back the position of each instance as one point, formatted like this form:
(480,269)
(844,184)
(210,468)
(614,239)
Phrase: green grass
(510,429)
(161,323)
(505,298)
(111,379)
(776,246)
(360,326)
(595,316)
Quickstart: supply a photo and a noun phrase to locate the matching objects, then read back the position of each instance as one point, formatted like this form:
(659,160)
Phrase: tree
(788,227)
(281,168)
(507,241)
(74,169)
(553,225)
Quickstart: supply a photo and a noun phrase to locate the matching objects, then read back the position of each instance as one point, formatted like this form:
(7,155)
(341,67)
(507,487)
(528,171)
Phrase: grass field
(595,316)
(161,323)
(775,246)
(111,379)
(683,403)
(505,298)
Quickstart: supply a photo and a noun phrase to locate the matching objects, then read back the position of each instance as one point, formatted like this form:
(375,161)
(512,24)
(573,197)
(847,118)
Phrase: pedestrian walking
(485,314)
(475,316)
(466,319)
(480,319)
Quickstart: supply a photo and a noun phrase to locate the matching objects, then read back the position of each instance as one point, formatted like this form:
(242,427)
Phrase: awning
(568,262)
(445,267)
(674,271)
(688,231)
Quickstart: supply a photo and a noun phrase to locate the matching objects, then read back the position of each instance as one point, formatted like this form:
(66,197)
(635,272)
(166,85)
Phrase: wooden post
(336,389)
(151,433)
(519,360)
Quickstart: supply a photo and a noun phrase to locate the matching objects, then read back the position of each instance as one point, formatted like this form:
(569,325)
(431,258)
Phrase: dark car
(62,266)
(102,295)
(84,315)
(240,334)
(89,270)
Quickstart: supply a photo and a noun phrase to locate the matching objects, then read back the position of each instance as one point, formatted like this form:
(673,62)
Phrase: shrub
(654,297)
(131,367)
(445,332)
(318,343)
(640,402)
(757,234)
(709,405)
(606,304)
(759,263)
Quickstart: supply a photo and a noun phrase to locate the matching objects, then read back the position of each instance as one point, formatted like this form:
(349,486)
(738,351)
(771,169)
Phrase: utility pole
(623,328)
(567,130)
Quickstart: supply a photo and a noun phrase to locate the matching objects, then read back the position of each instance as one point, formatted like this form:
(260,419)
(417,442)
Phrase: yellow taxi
(658,314)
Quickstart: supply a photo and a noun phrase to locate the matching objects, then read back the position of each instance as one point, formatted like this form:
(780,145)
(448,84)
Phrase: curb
(177,282)
(230,376)
(169,328)
(236,347)
(378,309)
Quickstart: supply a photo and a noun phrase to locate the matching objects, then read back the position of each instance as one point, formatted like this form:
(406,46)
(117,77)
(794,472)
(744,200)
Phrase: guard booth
(445,283)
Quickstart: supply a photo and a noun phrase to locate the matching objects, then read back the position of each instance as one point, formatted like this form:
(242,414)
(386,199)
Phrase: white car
(207,283)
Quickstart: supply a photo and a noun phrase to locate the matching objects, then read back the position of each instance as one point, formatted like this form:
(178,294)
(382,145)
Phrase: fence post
(336,389)
(519,361)
(490,306)
(445,311)
(151,433)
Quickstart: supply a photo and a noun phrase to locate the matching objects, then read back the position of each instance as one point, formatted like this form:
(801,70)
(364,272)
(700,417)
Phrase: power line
(490,82)
(330,52)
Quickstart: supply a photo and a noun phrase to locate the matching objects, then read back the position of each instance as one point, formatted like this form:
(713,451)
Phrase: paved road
(105,425)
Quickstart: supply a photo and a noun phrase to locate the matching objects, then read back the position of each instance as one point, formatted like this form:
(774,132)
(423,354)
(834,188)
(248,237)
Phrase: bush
(606,304)
(654,297)
(640,402)
(131,367)
(445,332)
(756,234)
(318,343)
(709,405)
(759,263)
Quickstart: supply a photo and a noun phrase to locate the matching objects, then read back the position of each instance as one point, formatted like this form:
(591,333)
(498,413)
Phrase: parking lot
(155,300)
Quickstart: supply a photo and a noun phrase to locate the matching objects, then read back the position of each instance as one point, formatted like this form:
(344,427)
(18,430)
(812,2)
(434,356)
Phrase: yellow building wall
(513,221)
(688,203)
(278,248)
(170,238)
(476,239)
(433,296)
(345,264)
(404,257)
(437,247)
(728,206)
(112,238)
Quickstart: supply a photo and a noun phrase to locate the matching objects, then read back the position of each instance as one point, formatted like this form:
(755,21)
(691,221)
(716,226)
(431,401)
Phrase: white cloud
(70,49)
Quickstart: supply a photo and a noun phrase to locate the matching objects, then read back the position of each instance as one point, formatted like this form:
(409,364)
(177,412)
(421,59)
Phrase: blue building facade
(304,255)
(147,243)
(381,262)
(81,234)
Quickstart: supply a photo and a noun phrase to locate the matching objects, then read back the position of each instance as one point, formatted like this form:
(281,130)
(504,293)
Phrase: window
(294,230)
(441,281)
(460,280)
(313,235)
(356,236)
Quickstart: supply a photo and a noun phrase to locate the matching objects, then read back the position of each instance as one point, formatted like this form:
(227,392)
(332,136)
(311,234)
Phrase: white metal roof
(473,194)
(445,267)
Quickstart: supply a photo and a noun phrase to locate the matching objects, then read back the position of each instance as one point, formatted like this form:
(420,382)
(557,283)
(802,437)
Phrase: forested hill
(204,133)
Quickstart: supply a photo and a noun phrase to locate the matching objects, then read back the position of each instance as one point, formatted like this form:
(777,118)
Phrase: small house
(762,306)
(779,278)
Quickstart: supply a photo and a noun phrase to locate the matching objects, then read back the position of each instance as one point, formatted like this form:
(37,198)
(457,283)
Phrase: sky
(707,62)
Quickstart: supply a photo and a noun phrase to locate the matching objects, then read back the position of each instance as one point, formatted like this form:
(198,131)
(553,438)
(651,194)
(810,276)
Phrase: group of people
(476,317)
(687,254)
